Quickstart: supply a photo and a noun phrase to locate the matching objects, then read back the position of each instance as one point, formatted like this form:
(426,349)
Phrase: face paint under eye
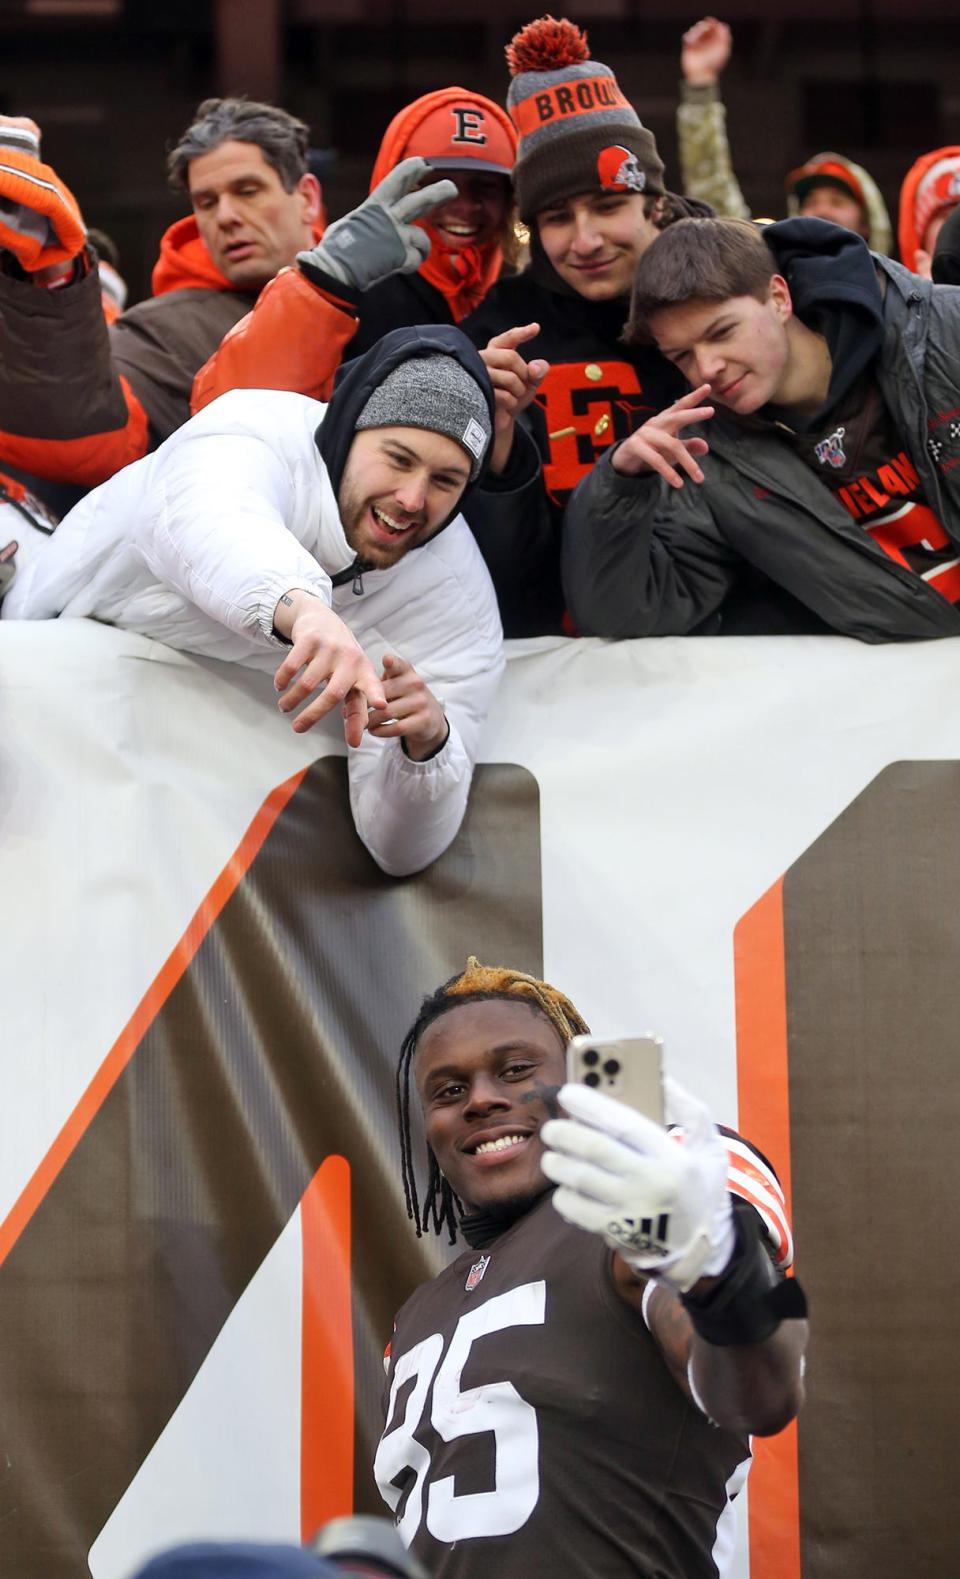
(548,1095)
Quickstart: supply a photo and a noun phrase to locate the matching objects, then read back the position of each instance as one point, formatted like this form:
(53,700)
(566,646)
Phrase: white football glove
(379,238)
(660,1202)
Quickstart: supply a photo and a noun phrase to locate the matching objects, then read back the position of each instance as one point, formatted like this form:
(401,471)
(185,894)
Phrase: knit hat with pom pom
(577,132)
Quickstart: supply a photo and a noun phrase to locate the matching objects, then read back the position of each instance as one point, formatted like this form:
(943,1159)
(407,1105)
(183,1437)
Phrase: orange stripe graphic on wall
(257,1056)
(145,1013)
(326,1348)
(764,1117)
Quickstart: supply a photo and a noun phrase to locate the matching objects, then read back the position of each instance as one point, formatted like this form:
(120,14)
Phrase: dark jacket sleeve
(78,400)
(401,301)
(510,518)
(641,560)
(57,381)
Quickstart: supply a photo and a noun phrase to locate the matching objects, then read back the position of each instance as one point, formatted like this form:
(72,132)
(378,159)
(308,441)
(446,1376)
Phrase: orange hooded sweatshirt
(184,262)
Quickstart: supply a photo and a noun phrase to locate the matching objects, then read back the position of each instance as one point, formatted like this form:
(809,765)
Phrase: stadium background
(113,82)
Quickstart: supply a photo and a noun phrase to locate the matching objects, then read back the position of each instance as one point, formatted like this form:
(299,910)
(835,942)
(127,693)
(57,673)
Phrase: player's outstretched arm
(732,1331)
(754,1388)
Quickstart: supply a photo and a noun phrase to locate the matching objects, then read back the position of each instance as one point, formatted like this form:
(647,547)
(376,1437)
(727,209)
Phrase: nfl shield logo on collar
(476,1273)
(830,451)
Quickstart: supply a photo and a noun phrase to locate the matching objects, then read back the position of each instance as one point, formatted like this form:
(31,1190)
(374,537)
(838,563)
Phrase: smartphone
(629,1068)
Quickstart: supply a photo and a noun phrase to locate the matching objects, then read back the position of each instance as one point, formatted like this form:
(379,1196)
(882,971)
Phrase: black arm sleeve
(518,535)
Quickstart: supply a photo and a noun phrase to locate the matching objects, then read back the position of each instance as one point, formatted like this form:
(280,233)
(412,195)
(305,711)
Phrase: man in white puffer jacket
(273,525)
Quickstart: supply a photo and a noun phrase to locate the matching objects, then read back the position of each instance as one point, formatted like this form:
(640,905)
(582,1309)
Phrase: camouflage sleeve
(705,152)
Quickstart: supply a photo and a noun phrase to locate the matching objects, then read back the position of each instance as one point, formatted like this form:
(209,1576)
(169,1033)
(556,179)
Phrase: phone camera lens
(592,1079)
(612,1066)
(591,1057)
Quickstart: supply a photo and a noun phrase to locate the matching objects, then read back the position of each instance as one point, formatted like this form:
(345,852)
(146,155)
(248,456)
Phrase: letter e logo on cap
(469,126)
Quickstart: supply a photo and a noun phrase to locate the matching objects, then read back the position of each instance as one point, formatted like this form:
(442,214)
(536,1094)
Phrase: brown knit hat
(577,131)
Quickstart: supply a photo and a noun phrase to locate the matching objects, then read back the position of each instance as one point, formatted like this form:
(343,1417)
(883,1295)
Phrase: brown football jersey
(533,1427)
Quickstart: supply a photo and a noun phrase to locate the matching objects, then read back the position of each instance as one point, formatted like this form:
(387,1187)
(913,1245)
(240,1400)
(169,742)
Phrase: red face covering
(462,274)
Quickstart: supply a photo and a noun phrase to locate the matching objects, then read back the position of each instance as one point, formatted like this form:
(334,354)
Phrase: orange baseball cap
(466,133)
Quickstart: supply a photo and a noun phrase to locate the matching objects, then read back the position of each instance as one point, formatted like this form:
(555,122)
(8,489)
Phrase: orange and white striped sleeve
(753,1180)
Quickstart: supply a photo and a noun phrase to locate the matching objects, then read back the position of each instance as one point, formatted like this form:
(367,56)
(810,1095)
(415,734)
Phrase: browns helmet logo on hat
(618,170)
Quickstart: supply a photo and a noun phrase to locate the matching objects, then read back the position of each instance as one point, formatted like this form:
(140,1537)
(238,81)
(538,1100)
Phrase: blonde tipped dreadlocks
(474,985)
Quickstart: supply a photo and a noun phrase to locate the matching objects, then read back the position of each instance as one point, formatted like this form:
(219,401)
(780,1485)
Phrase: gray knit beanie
(433,392)
(577,131)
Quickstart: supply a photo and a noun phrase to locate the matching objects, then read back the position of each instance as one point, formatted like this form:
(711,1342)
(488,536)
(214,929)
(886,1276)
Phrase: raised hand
(412,712)
(19,131)
(515,383)
(659,447)
(380,238)
(705,49)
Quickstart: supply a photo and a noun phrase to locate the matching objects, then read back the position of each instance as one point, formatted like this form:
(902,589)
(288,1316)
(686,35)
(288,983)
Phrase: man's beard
(384,554)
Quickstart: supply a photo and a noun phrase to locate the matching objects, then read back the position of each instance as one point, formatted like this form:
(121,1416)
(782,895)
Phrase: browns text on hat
(578,132)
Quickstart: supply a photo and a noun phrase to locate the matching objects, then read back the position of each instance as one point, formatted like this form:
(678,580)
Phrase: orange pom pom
(546,45)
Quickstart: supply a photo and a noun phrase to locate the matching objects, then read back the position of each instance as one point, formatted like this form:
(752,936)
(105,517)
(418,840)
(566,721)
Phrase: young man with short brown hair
(818,449)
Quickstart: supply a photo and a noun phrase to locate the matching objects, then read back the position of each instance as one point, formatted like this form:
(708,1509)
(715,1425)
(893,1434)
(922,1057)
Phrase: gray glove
(378,238)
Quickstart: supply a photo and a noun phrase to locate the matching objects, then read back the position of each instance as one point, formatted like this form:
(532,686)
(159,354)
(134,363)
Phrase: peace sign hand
(658,447)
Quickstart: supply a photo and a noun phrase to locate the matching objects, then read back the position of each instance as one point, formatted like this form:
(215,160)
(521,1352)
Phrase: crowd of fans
(523,387)
(254,290)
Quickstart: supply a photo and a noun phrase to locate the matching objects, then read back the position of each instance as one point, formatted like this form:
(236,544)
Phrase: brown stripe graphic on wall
(862,997)
(265,1046)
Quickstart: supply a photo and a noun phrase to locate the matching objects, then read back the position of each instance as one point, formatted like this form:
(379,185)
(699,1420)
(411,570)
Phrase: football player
(579,1386)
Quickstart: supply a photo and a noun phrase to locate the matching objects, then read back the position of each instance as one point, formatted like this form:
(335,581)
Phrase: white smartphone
(629,1068)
